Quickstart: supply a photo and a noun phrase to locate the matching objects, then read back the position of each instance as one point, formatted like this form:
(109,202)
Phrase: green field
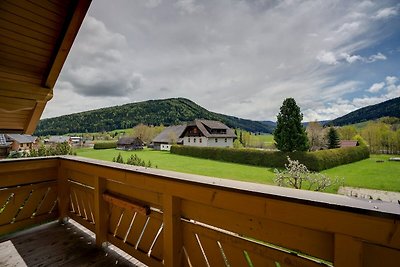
(366,173)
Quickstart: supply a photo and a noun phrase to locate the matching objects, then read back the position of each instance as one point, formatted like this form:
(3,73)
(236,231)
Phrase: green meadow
(367,173)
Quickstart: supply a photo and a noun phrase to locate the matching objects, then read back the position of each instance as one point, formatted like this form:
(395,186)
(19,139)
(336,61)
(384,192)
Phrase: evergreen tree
(333,138)
(289,134)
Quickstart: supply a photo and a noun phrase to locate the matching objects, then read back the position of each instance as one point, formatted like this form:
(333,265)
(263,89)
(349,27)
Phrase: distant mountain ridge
(170,111)
(389,108)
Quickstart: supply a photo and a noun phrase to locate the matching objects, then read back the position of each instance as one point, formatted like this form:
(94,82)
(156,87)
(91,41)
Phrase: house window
(226,140)
(194,140)
(200,140)
(216,140)
(189,140)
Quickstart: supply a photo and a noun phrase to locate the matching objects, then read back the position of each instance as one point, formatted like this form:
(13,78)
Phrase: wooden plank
(54,8)
(311,242)
(82,222)
(9,228)
(101,211)
(27,164)
(32,203)
(152,198)
(375,255)
(192,247)
(133,252)
(115,216)
(15,89)
(157,250)
(136,230)
(49,202)
(29,20)
(27,177)
(13,206)
(81,177)
(348,251)
(126,204)
(234,247)
(149,234)
(173,237)
(124,224)
(27,42)
(17,75)
(35,12)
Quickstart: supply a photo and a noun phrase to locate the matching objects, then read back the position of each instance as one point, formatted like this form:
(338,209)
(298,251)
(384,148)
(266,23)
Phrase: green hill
(153,112)
(389,108)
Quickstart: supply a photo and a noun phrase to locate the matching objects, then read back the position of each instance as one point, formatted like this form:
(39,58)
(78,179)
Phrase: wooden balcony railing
(172,219)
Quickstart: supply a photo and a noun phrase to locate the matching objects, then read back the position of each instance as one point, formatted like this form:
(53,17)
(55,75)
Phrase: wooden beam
(61,53)
(34,118)
(24,91)
(100,211)
(126,204)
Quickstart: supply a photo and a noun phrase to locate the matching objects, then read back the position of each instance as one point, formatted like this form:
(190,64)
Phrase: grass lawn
(366,173)
(167,161)
(369,174)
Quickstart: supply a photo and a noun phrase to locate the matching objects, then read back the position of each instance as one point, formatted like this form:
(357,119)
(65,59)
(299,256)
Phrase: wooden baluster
(100,211)
(348,251)
(172,231)
(63,191)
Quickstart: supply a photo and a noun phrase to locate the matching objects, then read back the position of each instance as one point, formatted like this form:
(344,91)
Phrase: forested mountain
(389,108)
(153,112)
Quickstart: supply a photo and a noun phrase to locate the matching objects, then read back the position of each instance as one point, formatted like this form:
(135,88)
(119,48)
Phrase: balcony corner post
(63,191)
(100,212)
(173,238)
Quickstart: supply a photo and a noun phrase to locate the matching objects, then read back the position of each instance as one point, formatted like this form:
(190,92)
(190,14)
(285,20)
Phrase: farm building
(170,135)
(5,146)
(22,142)
(349,143)
(130,143)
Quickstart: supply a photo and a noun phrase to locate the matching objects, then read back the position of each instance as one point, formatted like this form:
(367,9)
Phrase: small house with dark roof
(22,142)
(130,143)
(171,135)
(349,143)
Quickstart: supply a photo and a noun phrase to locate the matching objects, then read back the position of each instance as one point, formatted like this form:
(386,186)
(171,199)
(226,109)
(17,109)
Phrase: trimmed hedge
(105,145)
(315,161)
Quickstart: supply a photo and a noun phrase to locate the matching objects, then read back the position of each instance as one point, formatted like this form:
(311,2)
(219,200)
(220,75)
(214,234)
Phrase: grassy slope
(167,161)
(366,173)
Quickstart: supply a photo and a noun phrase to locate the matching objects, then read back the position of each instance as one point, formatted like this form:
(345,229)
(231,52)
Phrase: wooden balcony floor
(55,244)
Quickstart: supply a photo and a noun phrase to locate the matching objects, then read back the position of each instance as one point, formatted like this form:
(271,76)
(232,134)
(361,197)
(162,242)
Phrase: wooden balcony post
(100,211)
(172,231)
(348,251)
(63,191)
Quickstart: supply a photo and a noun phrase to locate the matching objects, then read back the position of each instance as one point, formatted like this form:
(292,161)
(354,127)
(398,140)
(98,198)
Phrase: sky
(236,57)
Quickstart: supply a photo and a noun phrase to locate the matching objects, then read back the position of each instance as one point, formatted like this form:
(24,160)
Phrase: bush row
(315,161)
(105,145)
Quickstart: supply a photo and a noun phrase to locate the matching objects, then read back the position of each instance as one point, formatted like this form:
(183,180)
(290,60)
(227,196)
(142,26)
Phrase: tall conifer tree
(289,134)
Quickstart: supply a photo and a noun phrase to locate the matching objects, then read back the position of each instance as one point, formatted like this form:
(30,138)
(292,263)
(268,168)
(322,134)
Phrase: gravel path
(370,194)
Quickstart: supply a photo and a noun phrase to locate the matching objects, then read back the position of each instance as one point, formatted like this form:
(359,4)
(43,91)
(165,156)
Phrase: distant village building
(76,140)
(5,146)
(205,133)
(170,135)
(130,143)
(349,143)
(22,142)
(58,139)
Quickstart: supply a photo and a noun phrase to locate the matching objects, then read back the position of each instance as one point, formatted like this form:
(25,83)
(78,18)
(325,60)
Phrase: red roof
(348,143)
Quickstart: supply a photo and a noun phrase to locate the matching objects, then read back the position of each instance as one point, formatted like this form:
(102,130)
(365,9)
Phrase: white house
(205,133)
(208,133)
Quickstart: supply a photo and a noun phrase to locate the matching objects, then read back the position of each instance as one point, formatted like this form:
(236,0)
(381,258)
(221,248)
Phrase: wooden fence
(170,219)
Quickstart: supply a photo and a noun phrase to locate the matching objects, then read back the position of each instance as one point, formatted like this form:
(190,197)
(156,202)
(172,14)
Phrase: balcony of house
(164,218)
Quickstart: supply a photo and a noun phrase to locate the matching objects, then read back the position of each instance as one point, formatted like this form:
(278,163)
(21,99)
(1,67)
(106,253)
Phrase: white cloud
(153,3)
(391,80)
(385,13)
(376,57)
(376,87)
(327,57)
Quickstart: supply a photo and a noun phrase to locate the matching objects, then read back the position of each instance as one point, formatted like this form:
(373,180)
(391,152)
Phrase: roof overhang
(35,39)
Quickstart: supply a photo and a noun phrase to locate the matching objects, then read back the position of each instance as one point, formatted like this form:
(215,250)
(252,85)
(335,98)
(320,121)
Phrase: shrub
(315,161)
(105,145)
(297,175)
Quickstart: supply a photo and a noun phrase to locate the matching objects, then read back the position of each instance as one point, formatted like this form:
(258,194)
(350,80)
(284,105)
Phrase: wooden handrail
(204,220)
